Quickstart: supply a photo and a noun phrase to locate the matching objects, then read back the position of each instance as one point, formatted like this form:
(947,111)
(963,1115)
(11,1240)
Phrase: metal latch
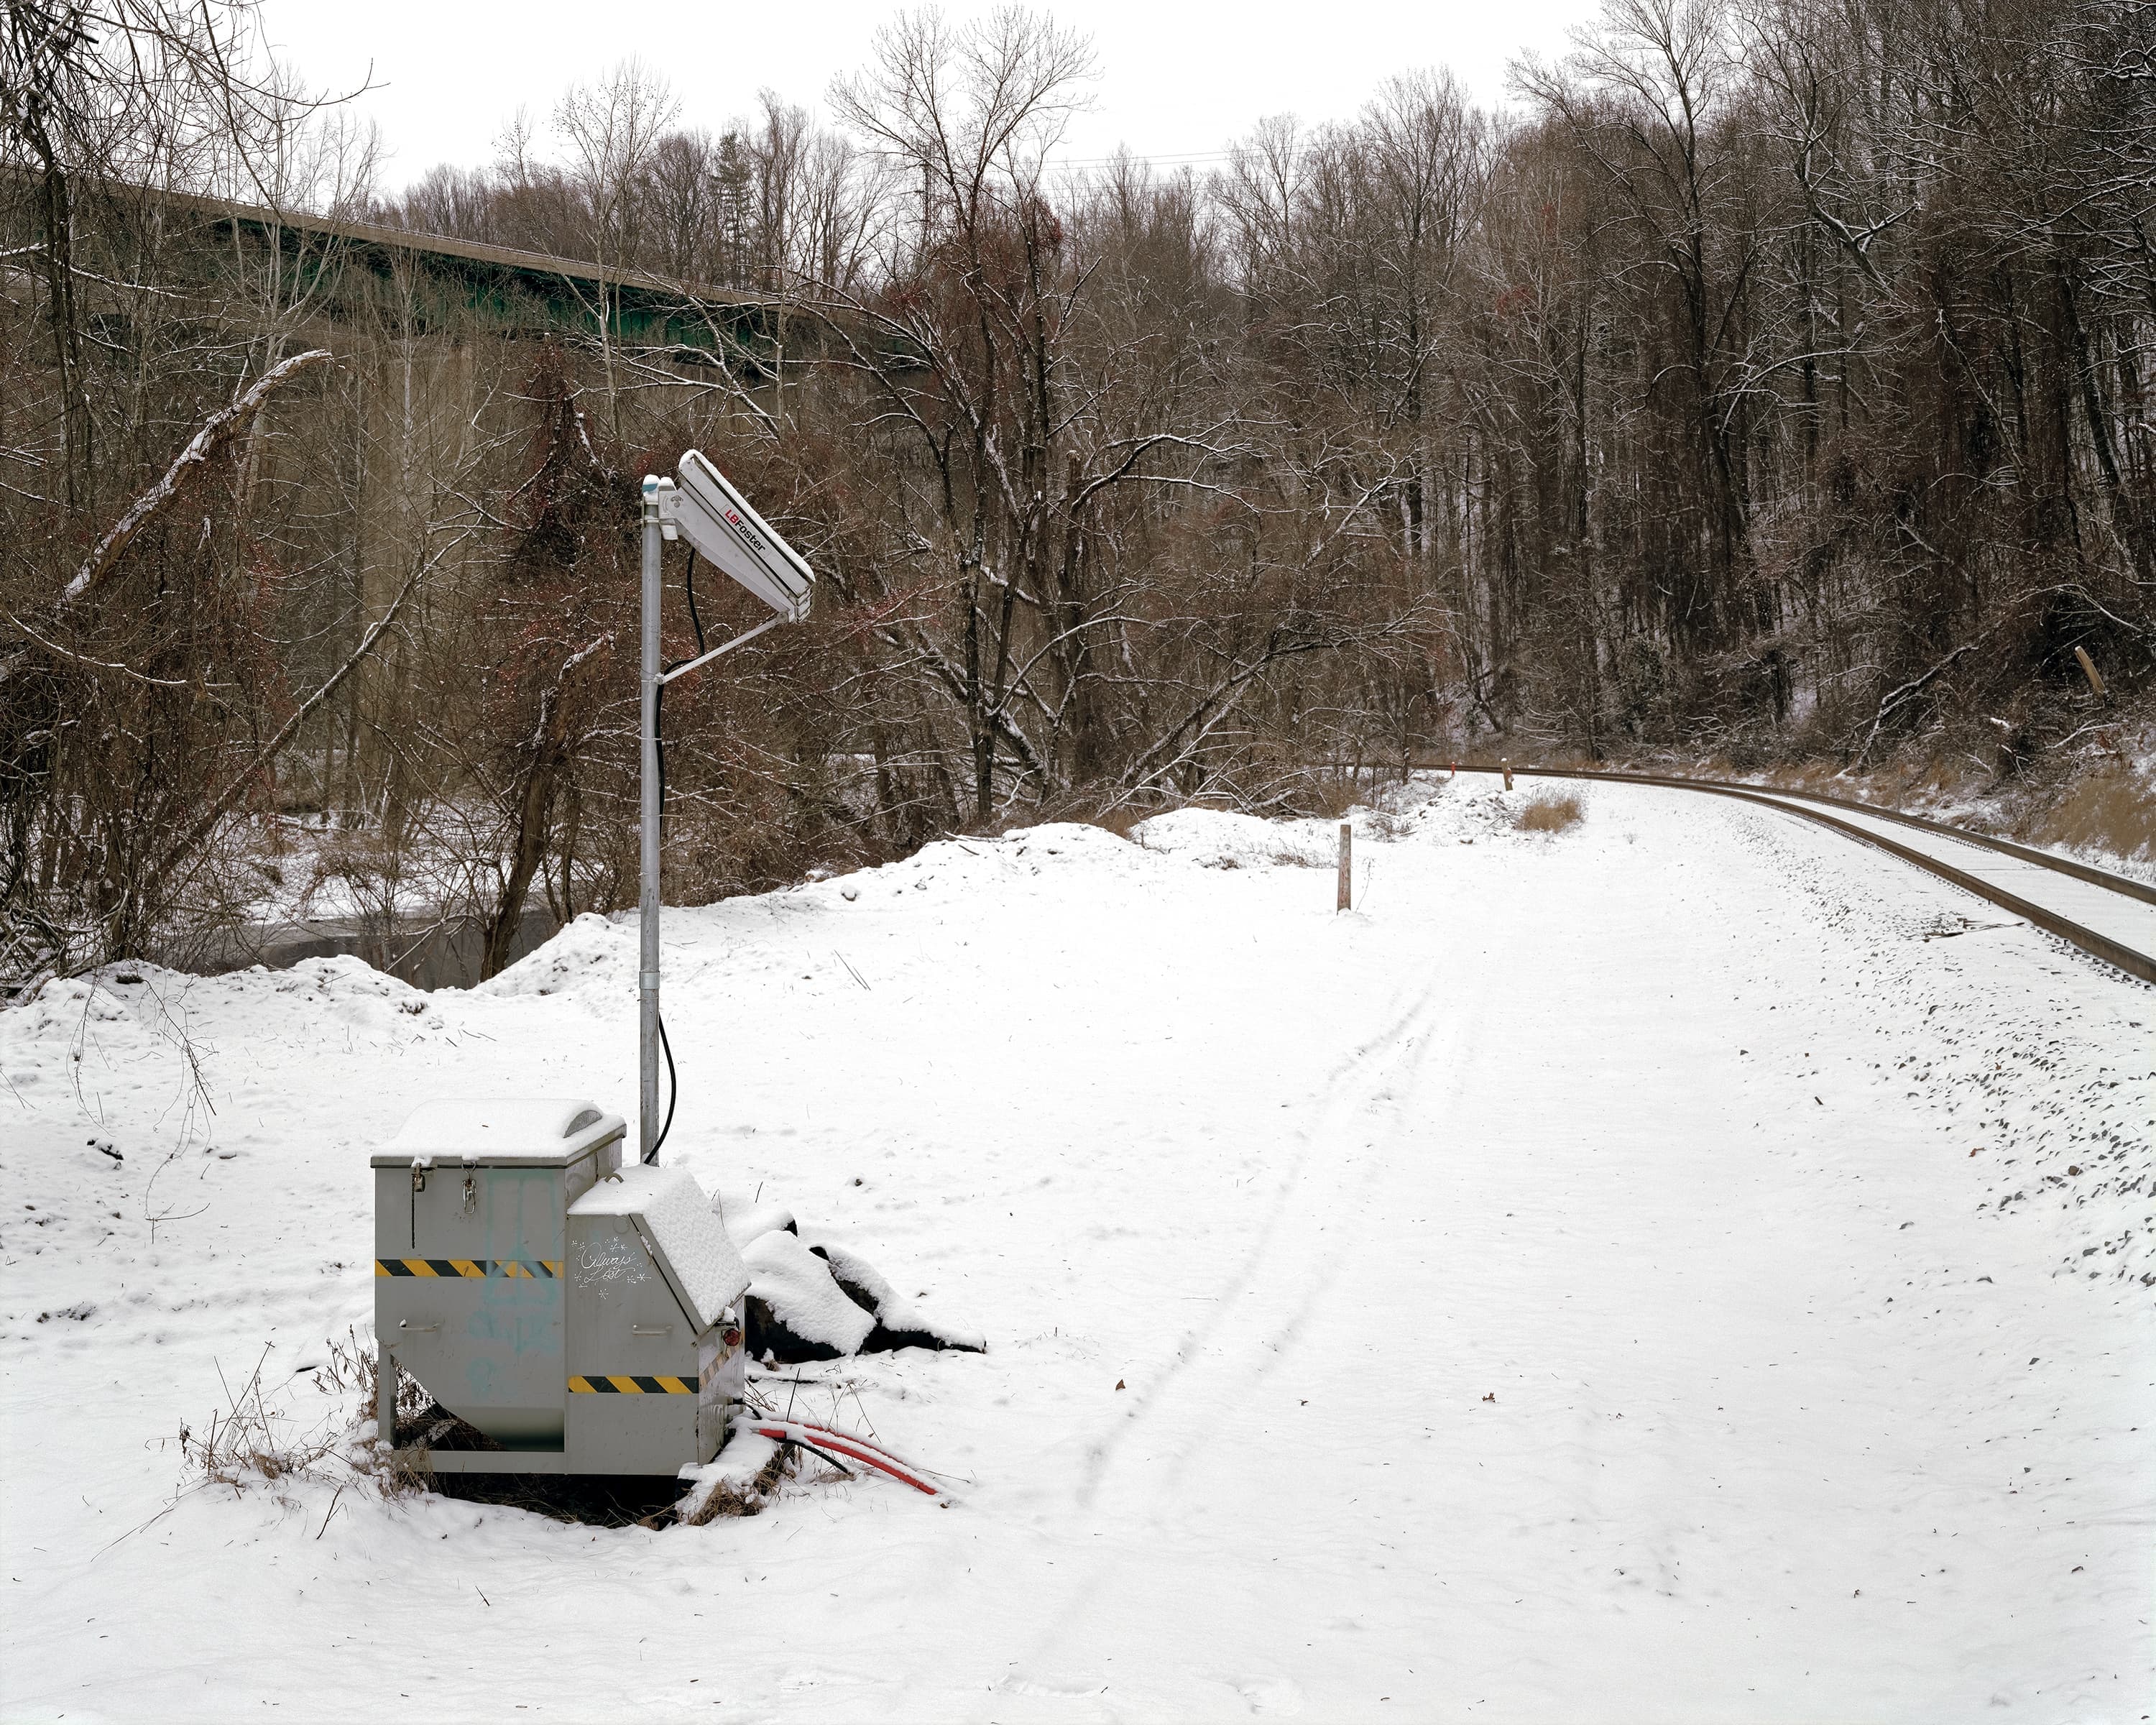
(651,1329)
(419,1329)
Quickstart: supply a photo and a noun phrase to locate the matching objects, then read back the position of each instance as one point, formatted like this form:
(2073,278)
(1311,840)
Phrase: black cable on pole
(658,754)
(673,1090)
(659,750)
(695,622)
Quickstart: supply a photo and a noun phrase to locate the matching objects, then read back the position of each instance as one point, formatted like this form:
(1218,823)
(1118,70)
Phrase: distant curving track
(2107,916)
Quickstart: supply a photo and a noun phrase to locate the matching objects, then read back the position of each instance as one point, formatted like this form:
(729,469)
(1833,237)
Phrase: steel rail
(2005,847)
(2139,965)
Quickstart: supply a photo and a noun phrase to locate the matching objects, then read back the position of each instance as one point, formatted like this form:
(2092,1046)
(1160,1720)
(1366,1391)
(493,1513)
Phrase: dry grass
(751,1498)
(259,1440)
(2109,809)
(258,1436)
(2095,798)
(1324,795)
(1119,818)
(1549,812)
(249,1438)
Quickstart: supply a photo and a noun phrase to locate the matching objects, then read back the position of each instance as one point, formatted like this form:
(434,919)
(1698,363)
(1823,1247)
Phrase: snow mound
(805,1314)
(352,987)
(961,867)
(1220,838)
(154,1008)
(596,957)
(1480,814)
(591,950)
(1411,796)
(344,977)
(1067,838)
(673,1206)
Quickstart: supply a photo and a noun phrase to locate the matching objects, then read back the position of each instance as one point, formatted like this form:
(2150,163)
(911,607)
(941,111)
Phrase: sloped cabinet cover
(677,1215)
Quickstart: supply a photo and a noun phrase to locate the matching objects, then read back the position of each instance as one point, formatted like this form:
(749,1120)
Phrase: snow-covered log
(795,1310)
(901,1320)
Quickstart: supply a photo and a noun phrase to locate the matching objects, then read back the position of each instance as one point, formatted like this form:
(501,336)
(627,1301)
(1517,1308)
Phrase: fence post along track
(1343,897)
(1830,812)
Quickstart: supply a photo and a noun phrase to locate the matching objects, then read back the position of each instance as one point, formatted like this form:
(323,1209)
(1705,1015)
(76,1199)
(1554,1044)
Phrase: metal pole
(647,1021)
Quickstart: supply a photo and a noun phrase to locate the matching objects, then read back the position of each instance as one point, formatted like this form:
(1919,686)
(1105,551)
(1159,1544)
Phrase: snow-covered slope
(1688,1266)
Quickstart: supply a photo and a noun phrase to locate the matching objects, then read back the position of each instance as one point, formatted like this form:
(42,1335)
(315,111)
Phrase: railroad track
(2107,916)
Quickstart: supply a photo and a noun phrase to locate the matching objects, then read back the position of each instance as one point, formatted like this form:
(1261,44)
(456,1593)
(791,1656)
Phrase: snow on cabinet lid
(677,1218)
(533,1131)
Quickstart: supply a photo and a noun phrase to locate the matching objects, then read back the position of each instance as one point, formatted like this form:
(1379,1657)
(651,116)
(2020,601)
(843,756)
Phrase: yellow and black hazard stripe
(536,1269)
(632,1386)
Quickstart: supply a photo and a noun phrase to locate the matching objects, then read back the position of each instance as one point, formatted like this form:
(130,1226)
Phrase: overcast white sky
(1177,79)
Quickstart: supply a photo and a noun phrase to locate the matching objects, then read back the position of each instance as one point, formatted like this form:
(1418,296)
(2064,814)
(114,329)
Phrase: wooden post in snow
(1507,766)
(1347,868)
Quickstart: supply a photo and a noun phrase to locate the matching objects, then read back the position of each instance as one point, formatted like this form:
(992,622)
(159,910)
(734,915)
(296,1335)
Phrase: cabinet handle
(419,1329)
(651,1329)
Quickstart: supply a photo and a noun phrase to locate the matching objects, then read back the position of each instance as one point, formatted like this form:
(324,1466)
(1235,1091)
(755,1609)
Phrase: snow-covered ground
(1685,1266)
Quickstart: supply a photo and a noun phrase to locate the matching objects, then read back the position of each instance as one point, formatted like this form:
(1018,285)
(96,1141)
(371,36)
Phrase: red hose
(822,1437)
(853,1437)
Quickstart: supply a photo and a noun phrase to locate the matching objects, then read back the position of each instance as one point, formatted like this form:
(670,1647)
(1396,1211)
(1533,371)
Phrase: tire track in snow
(1338,1100)
(1398,1098)
(1283,1280)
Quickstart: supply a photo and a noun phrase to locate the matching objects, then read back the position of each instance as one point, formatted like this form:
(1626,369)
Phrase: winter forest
(1764,382)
